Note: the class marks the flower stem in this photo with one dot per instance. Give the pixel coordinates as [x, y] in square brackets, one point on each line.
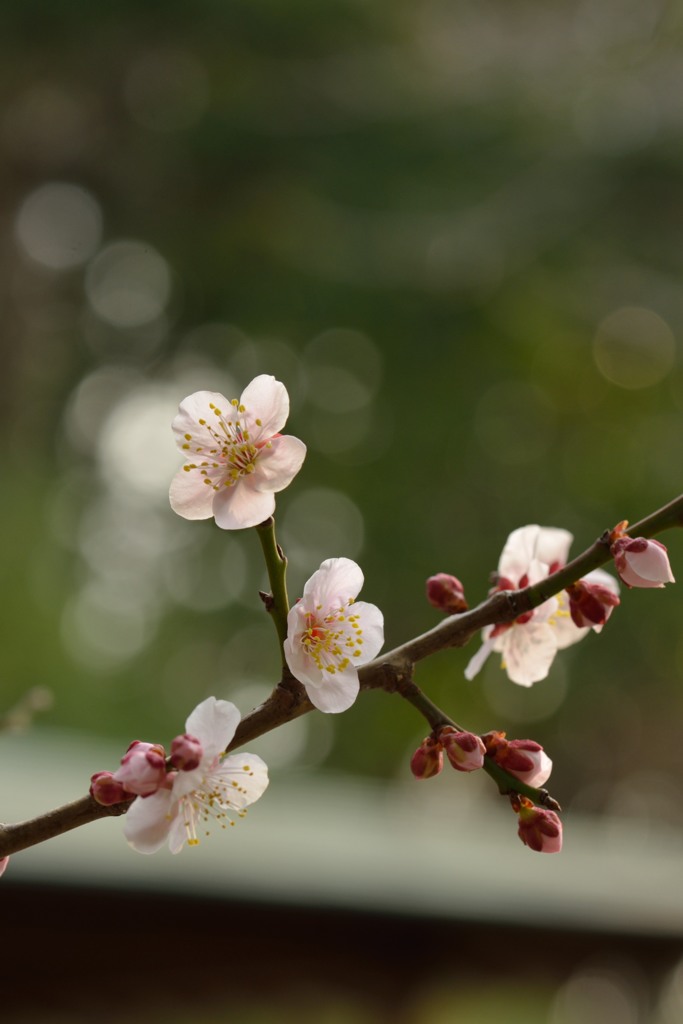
[277, 602]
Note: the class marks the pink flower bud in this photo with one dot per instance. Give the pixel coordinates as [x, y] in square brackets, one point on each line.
[590, 604]
[427, 759]
[446, 593]
[539, 829]
[525, 759]
[186, 752]
[143, 768]
[106, 790]
[641, 562]
[4, 861]
[464, 750]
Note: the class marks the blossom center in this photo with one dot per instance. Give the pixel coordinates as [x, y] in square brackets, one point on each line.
[231, 451]
[214, 801]
[333, 640]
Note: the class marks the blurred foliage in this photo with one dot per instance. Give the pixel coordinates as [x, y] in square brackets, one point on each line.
[453, 230]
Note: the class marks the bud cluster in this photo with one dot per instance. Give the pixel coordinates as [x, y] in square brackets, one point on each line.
[464, 750]
[144, 770]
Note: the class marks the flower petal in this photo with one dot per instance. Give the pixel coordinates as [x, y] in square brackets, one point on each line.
[246, 776]
[190, 497]
[372, 624]
[476, 663]
[148, 821]
[213, 722]
[528, 651]
[334, 584]
[191, 410]
[552, 545]
[278, 464]
[336, 693]
[518, 553]
[265, 399]
[241, 506]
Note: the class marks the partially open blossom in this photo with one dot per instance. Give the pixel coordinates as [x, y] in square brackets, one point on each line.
[525, 759]
[539, 829]
[4, 861]
[218, 788]
[529, 644]
[446, 593]
[642, 562]
[591, 604]
[330, 634]
[107, 790]
[237, 458]
[427, 760]
[143, 768]
[464, 750]
[186, 753]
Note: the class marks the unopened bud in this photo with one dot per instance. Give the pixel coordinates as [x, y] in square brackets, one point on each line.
[143, 768]
[446, 593]
[427, 759]
[107, 790]
[591, 604]
[525, 759]
[186, 753]
[464, 750]
[539, 829]
[641, 562]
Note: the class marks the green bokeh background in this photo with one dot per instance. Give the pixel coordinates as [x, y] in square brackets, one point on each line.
[471, 212]
[453, 229]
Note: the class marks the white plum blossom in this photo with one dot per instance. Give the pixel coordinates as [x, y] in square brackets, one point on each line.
[330, 634]
[237, 459]
[529, 644]
[216, 789]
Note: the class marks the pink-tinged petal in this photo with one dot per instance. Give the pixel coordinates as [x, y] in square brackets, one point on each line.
[337, 581]
[4, 861]
[552, 546]
[518, 553]
[278, 464]
[336, 693]
[241, 506]
[476, 663]
[651, 565]
[148, 821]
[528, 652]
[372, 624]
[300, 663]
[246, 777]
[190, 497]
[213, 722]
[191, 410]
[265, 399]
[178, 833]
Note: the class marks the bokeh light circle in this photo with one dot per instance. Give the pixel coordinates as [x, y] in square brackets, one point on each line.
[59, 225]
[634, 348]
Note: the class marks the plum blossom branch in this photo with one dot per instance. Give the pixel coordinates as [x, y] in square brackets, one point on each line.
[391, 671]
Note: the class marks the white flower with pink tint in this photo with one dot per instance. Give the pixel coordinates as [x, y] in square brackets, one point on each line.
[4, 861]
[642, 562]
[529, 644]
[217, 789]
[237, 458]
[330, 634]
